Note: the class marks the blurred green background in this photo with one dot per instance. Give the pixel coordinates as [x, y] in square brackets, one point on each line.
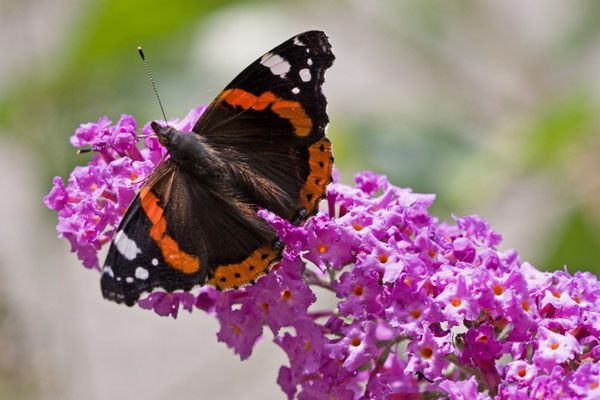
[491, 105]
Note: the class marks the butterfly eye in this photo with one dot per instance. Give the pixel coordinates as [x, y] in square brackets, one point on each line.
[163, 140]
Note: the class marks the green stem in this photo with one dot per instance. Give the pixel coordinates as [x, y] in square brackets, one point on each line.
[311, 278]
[472, 371]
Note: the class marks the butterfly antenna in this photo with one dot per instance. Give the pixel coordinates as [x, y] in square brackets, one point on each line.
[96, 148]
[106, 146]
[152, 81]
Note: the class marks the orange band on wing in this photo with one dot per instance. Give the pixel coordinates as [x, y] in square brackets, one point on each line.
[172, 254]
[263, 101]
[241, 98]
[290, 110]
[150, 205]
[233, 276]
[293, 111]
[320, 162]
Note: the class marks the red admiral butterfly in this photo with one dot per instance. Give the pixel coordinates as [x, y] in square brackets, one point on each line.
[260, 143]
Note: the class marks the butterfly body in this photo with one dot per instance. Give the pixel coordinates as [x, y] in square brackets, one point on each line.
[190, 153]
[261, 143]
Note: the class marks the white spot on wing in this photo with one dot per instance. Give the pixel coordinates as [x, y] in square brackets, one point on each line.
[277, 64]
[309, 61]
[298, 42]
[108, 271]
[142, 273]
[126, 246]
[155, 262]
[296, 90]
[305, 74]
[129, 279]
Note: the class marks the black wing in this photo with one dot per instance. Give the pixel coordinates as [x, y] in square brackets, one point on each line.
[269, 124]
[178, 234]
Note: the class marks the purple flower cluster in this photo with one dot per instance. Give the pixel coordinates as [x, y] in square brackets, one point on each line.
[92, 204]
[424, 309]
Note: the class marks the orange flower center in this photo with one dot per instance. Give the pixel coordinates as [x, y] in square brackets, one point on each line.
[286, 295]
[427, 352]
[357, 226]
[358, 291]
[415, 313]
[322, 248]
[498, 290]
[456, 302]
[383, 258]
[236, 329]
[522, 373]
[355, 342]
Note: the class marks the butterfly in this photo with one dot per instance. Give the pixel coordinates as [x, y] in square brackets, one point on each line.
[260, 144]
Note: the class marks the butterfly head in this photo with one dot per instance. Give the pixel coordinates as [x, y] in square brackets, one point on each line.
[185, 148]
[166, 134]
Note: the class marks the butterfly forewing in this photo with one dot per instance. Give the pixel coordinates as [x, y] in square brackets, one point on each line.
[269, 116]
[136, 262]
